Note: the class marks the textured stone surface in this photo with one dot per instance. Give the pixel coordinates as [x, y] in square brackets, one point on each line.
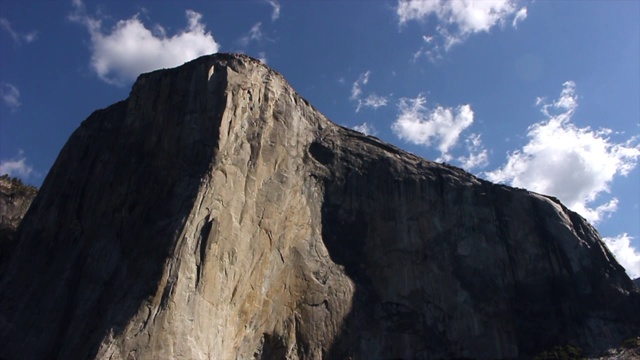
[15, 199]
[215, 214]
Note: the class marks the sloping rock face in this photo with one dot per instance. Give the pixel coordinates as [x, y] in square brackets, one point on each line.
[15, 199]
[215, 214]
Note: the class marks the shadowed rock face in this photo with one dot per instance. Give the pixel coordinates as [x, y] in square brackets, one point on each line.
[15, 199]
[215, 214]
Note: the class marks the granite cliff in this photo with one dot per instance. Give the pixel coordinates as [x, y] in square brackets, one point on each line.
[216, 214]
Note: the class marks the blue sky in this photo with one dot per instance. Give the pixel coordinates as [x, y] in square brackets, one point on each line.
[542, 95]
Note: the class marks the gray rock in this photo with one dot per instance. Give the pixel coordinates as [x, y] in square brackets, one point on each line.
[15, 199]
[215, 214]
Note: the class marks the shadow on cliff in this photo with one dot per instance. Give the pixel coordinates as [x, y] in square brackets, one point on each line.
[370, 227]
[376, 326]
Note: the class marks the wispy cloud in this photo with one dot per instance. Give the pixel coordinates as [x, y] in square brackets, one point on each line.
[254, 34]
[18, 37]
[262, 56]
[356, 88]
[440, 127]
[16, 167]
[375, 101]
[575, 164]
[10, 96]
[130, 48]
[520, 16]
[457, 20]
[275, 12]
[365, 128]
[372, 100]
[477, 157]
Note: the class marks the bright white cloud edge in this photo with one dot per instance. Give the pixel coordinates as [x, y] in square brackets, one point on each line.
[575, 164]
[440, 126]
[130, 48]
[478, 156]
[625, 254]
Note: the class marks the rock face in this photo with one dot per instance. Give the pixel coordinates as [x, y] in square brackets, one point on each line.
[15, 199]
[215, 214]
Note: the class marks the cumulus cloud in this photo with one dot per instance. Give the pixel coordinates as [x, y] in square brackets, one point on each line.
[18, 37]
[130, 48]
[365, 128]
[457, 19]
[626, 255]
[575, 164]
[440, 126]
[10, 95]
[275, 12]
[16, 167]
[477, 157]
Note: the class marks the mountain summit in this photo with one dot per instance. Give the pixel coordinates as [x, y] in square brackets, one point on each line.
[216, 214]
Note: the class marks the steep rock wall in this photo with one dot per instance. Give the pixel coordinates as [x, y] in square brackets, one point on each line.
[215, 214]
[15, 199]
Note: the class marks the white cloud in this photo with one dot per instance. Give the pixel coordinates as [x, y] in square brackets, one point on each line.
[130, 48]
[254, 34]
[10, 95]
[520, 16]
[575, 164]
[478, 156]
[262, 56]
[626, 255]
[17, 36]
[275, 13]
[356, 89]
[365, 128]
[457, 19]
[372, 100]
[440, 126]
[16, 167]
[375, 101]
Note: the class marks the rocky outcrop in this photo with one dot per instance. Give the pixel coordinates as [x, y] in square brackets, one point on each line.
[215, 214]
[15, 199]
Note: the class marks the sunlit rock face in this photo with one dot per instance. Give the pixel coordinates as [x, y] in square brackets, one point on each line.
[216, 214]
